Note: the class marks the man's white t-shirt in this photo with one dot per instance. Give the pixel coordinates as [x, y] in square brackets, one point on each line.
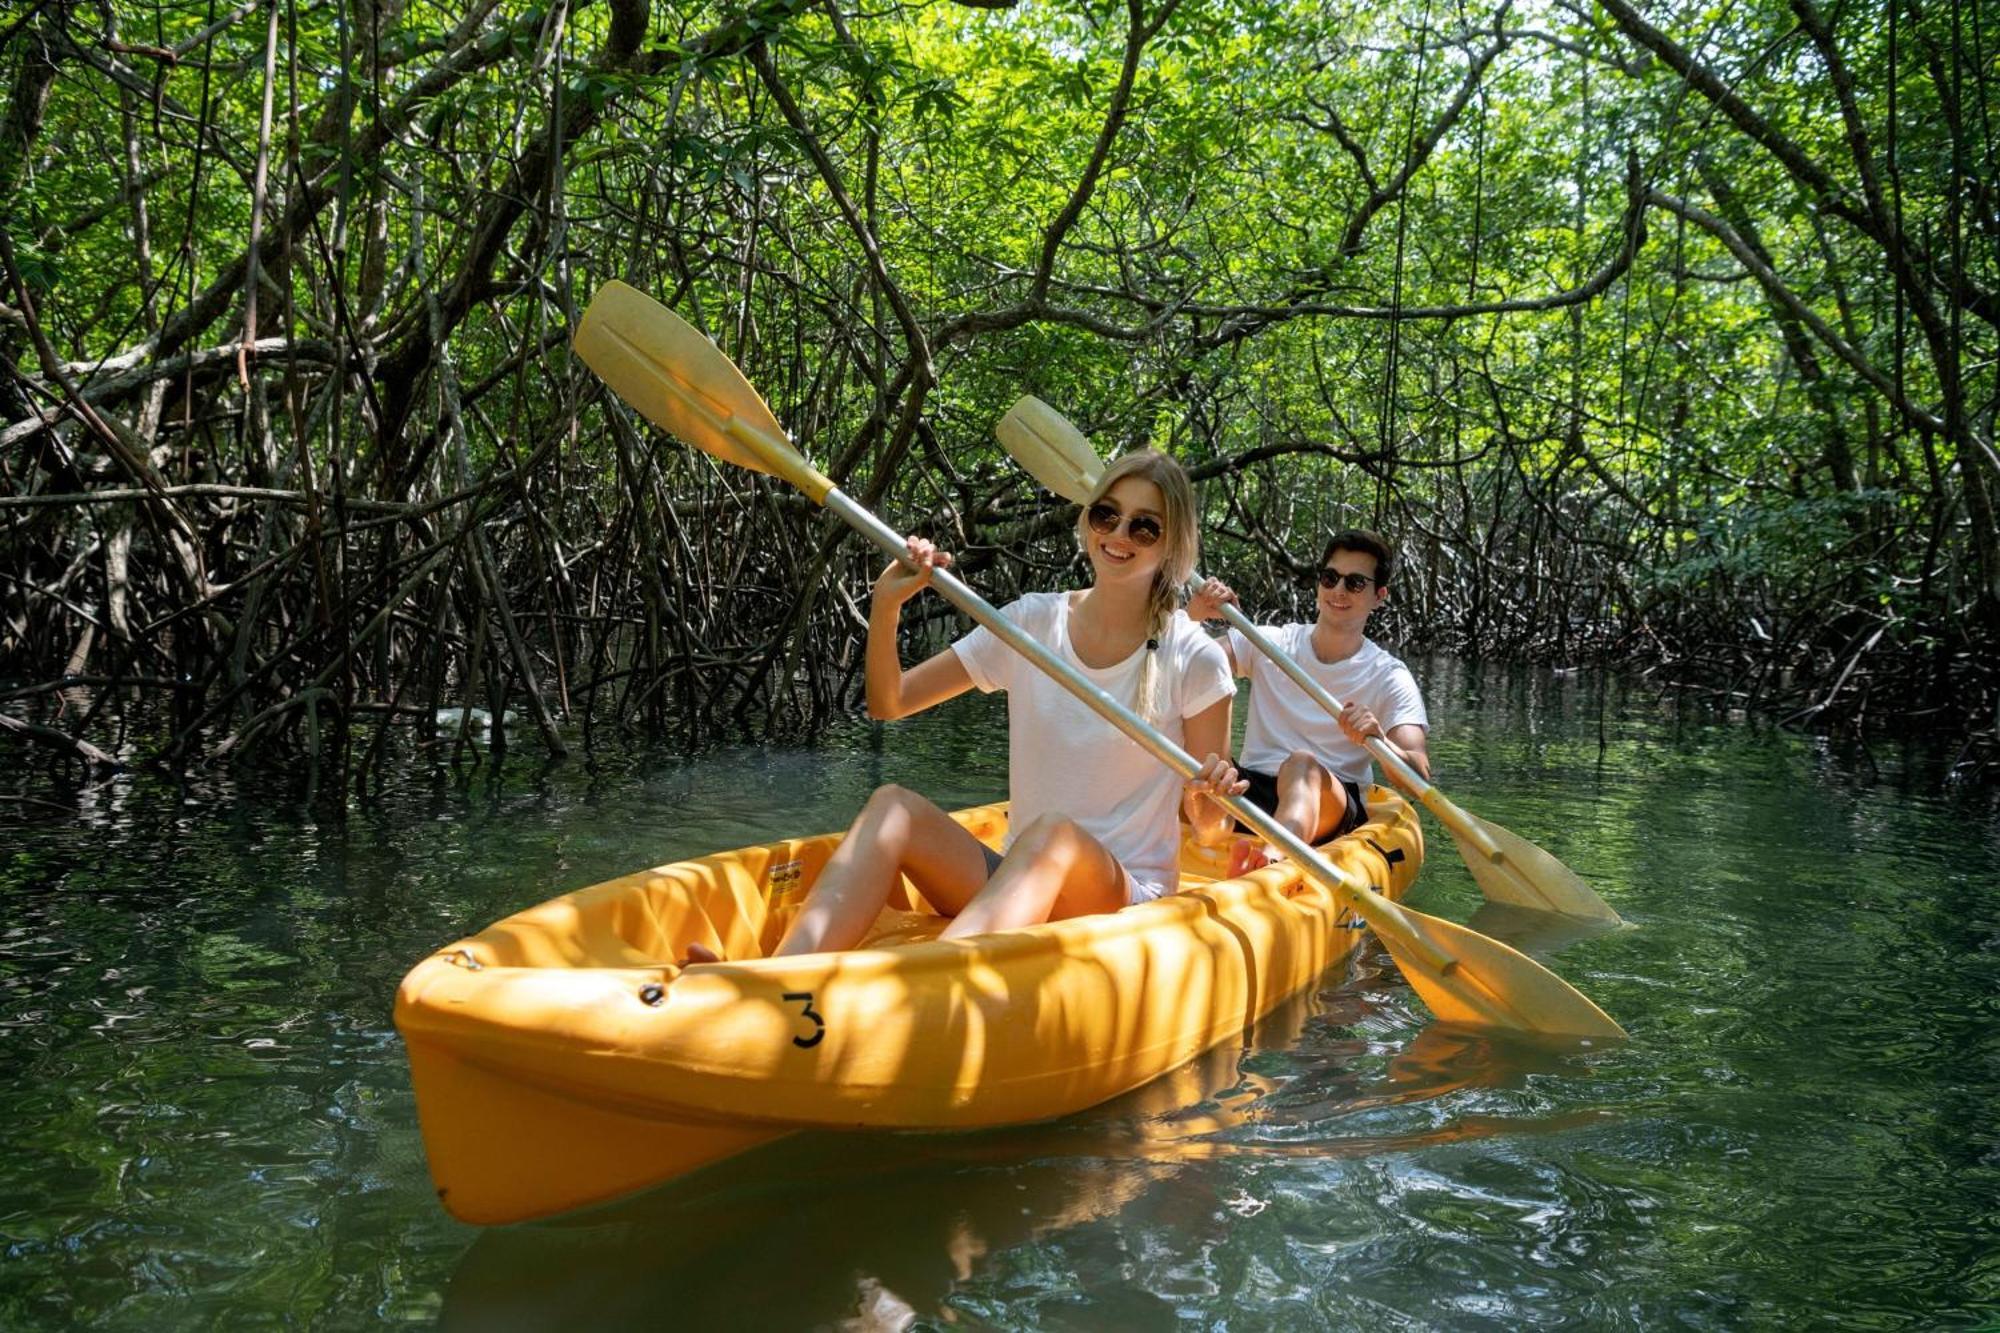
[1283, 719]
[1063, 759]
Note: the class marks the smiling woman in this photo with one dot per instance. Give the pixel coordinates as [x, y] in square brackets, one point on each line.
[1093, 824]
[1153, 490]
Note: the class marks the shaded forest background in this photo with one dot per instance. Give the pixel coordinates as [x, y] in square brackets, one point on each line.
[1658, 335]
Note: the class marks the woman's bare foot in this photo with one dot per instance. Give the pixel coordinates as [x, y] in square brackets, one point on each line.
[700, 953]
[1247, 856]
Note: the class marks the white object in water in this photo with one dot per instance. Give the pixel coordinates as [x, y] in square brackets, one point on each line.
[474, 719]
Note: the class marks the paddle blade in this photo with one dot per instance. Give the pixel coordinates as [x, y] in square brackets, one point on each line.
[673, 376]
[1482, 983]
[1054, 452]
[1524, 875]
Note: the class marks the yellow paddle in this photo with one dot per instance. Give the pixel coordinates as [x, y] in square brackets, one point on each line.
[1509, 869]
[684, 384]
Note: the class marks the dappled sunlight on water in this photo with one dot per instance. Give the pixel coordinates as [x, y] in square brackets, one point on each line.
[207, 1116]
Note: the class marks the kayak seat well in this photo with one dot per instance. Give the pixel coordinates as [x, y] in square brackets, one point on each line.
[737, 903]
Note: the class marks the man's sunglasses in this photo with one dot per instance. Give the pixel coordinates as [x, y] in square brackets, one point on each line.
[1104, 519]
[1331, 578]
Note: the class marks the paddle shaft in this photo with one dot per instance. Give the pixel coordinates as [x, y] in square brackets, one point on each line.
[1399, 769]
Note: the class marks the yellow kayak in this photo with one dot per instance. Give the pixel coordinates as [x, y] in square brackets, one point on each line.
[560, 1058]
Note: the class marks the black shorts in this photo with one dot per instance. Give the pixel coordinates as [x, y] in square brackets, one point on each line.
[1263, 794]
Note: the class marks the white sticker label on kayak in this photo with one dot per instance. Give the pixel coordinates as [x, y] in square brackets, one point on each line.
[787, 876]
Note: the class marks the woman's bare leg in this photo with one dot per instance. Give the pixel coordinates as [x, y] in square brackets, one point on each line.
[897, 833]
[1054, 870]
[1310, 802]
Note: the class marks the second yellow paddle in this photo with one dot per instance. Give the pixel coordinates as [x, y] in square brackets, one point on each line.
[1507, 867]
[684, 384]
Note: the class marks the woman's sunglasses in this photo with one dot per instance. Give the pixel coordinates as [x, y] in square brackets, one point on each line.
[1331, 578]
[1143, 529]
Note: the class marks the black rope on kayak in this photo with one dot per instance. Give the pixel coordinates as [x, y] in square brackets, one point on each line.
[1389, 854]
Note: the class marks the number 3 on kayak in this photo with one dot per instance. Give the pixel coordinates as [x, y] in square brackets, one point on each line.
[804, 999]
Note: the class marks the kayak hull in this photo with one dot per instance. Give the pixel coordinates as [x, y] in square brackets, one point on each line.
[561, 1059]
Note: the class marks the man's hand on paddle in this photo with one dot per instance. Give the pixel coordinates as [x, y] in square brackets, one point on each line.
[1209, 599]
[1360, 724]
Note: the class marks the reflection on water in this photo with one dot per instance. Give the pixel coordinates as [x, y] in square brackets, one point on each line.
[1537, 934]
[876, 1230]
[206, 1121]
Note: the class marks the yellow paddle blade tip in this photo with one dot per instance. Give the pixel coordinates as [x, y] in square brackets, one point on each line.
[671, 374]
[1053, 451]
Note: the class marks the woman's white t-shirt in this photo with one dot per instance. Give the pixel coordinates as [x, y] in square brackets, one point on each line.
[1063, 759]
[1283, 719]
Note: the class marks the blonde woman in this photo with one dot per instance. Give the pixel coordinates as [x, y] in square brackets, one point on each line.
[1093, 823]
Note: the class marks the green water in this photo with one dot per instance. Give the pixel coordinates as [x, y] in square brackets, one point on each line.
[205, 1118]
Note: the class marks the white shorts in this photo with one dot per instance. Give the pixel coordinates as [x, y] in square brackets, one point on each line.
[1137, 890]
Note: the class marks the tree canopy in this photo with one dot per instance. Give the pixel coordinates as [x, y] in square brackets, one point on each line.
[1663, 334]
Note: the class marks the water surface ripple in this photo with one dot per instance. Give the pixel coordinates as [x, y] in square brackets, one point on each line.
[206, 1120]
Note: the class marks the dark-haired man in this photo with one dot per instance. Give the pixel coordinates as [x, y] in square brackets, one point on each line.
[1304, 767]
